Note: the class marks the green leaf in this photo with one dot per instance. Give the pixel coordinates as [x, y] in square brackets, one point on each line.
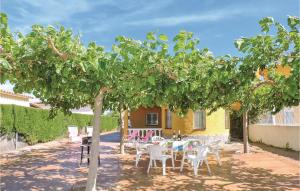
[82, 66]
[293, 21]
[163, 37]
[150, 36]
[239, 43]
[4, 63]
[151, 80]
[265, 23]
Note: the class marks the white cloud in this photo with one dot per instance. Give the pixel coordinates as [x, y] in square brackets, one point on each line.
[46, 12]
[210, 16]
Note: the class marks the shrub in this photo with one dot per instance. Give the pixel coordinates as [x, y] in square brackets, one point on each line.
[36, 126]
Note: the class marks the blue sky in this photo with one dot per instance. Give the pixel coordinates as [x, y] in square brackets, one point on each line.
[216, 22]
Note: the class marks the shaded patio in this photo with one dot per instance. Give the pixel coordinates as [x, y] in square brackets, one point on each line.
[55, 166]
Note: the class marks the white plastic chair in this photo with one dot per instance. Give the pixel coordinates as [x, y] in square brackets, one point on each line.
[157, 152]
[140, 150]
[196, 158]
[214, 148]
[73, 134]
[157, 138]
[148, 135]
[132, 136]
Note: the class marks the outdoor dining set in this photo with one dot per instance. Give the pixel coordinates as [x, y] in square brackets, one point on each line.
[193, 150]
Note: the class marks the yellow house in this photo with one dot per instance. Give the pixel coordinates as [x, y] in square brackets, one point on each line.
[165, 123]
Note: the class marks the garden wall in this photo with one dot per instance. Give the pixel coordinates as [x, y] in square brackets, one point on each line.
[276, 135]
[35, 126]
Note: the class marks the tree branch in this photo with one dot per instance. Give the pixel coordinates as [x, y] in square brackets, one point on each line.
[169, 74]
[266, 82]
[63, 56]
[105, 90]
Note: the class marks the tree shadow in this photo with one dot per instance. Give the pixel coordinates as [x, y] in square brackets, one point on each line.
[58, 169]
[231, 175]
[55, 169]
[279, 151]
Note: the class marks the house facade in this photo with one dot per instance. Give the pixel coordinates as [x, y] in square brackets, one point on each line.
[165, 122]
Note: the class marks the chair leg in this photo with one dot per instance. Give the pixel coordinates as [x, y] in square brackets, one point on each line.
[137, 160]
[173, 164]
[150, 164]
[98, 160]
[182, 161]
[175, 154]
[195, 165]
[218, 158]
[164, 167]
[200, 164]
[154, 162]
[206, 162]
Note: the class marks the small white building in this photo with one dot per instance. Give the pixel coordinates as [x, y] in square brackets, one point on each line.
[8, 97]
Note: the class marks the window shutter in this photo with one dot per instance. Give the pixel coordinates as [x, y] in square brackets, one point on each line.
[199, 120]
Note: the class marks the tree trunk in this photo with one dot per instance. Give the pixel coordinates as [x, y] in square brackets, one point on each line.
[245, 132]
[122, 123]
[93, 166]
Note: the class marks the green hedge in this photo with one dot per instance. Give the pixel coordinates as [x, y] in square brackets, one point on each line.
[35, 125]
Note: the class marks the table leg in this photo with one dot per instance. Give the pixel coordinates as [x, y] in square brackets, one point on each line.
[81, 155]
[88, 152]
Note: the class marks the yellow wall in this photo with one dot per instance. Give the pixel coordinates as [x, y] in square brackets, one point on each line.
[215, 124]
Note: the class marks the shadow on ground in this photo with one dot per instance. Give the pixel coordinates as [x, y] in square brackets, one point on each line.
[57, 168]
[231, 175]
[279, 151]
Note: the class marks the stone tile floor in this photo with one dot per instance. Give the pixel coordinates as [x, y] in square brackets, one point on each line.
[55, 166]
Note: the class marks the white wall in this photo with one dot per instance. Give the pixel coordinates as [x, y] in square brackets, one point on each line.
[5, 100]
[276, 135]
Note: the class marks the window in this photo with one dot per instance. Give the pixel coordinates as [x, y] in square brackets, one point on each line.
[168, 119]
[152, 119]
[288, 116]
[199, 120]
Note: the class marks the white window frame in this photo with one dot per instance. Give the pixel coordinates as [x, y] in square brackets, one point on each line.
[285, 112]
[203, 127]
[152, 122]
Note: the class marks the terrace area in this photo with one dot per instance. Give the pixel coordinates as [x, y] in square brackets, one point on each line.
[55, 166]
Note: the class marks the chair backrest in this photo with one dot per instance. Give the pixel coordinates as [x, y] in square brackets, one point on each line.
[216, 144]
[156, 151]
[202, 152]
[147, 136]
[133, 134]
[72, 131]
[89, 131]
[157, 138]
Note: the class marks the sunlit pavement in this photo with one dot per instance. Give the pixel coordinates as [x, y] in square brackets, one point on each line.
[55, 166]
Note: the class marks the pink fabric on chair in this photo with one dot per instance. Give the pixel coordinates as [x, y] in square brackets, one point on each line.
[133, 135]
[147, 136]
